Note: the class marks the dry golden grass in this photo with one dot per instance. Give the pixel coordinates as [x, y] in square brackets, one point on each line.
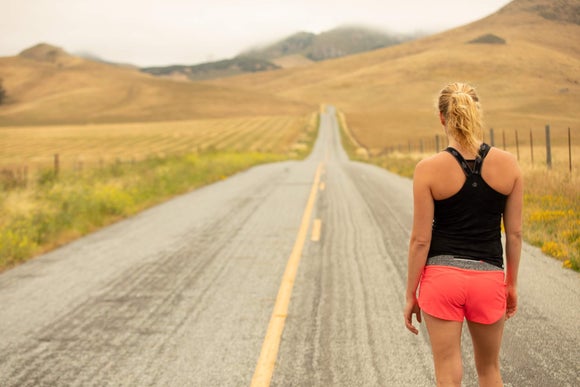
[91, 145]
[552, 213]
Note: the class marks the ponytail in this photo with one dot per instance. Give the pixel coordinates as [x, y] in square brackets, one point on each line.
[459, 104]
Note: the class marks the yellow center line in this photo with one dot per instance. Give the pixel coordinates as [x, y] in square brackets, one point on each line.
[316, 227]
[269, 353]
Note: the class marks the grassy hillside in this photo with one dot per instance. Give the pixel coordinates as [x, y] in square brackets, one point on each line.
[388, 95]
[45, 85]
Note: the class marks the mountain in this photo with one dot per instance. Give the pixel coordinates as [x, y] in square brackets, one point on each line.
[297, 44]
[335, 43]
[297, 50]
[388, 94]
[46, 85]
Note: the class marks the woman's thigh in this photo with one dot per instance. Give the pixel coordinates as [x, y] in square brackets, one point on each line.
[445, 337]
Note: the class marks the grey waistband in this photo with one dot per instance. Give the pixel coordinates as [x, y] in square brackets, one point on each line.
[461, 263]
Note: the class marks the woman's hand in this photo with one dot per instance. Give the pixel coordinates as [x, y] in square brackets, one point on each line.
[511, 301]
[412, 308]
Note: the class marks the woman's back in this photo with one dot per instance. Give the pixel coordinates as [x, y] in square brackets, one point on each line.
[446, 177]
[467, 210]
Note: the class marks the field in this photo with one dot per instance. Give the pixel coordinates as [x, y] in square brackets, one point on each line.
[92, 145]
[107, 172]
[551, 205]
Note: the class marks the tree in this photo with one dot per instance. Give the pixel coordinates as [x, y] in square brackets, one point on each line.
[2, 92]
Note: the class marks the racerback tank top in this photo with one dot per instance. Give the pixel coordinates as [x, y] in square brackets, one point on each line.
[467, 225]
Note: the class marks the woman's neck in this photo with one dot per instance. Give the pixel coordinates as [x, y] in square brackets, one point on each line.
[465, 152]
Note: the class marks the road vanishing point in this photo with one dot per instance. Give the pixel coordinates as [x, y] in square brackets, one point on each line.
[287, 274]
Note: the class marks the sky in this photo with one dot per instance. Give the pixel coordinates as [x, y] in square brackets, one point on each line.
[164, 32]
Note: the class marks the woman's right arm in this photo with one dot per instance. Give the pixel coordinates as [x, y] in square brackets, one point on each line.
[423, 209]
[512, 219]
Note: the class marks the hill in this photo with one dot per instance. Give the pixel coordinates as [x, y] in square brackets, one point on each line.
[211, 70]
[46, 85]
[95, 58]
[336, 43]
[299, 50]
[389, 94]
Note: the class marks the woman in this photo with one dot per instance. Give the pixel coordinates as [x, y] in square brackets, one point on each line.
[455, 251]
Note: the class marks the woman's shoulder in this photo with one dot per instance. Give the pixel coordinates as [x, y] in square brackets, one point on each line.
[429, 164]
[434, 160]
[501, 170]
[502, 157]
[497, 152]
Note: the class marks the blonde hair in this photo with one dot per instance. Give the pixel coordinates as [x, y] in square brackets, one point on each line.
[459, 105]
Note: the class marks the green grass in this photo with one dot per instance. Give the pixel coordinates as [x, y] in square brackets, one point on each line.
[59, 209]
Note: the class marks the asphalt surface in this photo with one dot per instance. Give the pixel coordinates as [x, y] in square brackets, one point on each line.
[182, 294]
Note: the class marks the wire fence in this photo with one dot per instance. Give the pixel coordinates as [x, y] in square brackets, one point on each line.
[22, 174]
[537, 147]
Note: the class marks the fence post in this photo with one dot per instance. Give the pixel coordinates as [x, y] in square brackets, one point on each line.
[503, 138]
[517, 145]
[491, 138]
[421, 146]
[56, 164]
[437, 143]
[569, 150]
[548, 148]
[532, 146]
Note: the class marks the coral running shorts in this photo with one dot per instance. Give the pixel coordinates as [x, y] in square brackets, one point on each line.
[451, 293]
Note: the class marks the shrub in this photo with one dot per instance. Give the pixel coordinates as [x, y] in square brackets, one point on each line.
[487, 39]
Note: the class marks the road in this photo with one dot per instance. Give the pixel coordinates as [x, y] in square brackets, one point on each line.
[183, 294]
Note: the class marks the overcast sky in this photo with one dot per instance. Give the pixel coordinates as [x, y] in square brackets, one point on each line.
[162, 32]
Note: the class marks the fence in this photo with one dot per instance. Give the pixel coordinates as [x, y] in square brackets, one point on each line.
[50, 167]
[536, 147]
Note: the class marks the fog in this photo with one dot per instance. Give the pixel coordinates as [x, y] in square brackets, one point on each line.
[162, 32]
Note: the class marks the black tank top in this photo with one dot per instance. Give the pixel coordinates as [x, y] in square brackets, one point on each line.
[467, 225]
